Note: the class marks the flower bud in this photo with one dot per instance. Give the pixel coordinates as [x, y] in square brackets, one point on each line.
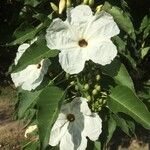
[86, 87]
[98, 77]
[98, 88]
[104, 101]
[62, 5]
[54, 7]
[88, 98]
[72, 83]
[68, 3]
[91, 2]
[100, 101]
[76, 88]
[67, 75]
[85, 1]
[94, 92]
[99, 109]
[99, 8]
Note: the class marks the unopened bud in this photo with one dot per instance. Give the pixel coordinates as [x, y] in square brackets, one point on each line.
[98, 77]
[68, 3]
[54, 7]
[94, 92]
[88, 98]
[62, 5]
[86, 87]
[98, 88]
[72, 83]
[85, 1]
[91, 2]
[76, 88]
[67, 75]
[99, 109]
[100, 101]
[104, 101]
[99, 8]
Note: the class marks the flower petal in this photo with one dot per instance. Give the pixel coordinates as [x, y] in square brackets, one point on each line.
[80, 105]
[31, 76]
[73, 139]
[72, 61]
[92, 126]
[101, 26]
[58, 130]
[79, 15]
[59, 35]
[103, 52]
[21, 49]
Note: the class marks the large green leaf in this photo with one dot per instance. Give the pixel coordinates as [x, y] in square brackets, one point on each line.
[33, 3]
[122, 19]
[111, 128]
[118, 71]
[27, 32]
[34, 54]
[47, 112]
[97, 145]
[26, 99]
[121, 123]
[122, 99]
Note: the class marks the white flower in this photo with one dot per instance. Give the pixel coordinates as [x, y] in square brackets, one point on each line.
[32, 76]
[82, 37]
[29, 130]
[74, 123]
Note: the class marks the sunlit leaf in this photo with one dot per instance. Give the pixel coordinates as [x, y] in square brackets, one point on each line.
[122, 99]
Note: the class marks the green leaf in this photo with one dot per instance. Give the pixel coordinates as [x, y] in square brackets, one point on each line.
[122, 19]
[144, 51]
[122, 48]
[26, 99]
[121, 123]
[122, 99]
[34, 54]
[47, 112]
[33, 3]
[97, 145]
[31, 146]
[146, 32]
[111, 128]
[118, 71]
[25, 32]
[145, 23]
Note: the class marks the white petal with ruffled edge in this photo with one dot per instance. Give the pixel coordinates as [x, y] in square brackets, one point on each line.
[58, 130]
[103, 52]
[101, 26]
[93, 126]
[32, 76]
[59, 36]
[72, 61]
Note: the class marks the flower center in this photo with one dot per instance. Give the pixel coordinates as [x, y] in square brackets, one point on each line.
[83, 43]
[38, 66]
[70, 117]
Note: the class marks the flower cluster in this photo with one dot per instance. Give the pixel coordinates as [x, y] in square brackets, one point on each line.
[83, 36]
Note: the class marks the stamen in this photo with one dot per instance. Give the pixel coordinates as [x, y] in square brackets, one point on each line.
[70, 117]
[38, 66]
[83, 43]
